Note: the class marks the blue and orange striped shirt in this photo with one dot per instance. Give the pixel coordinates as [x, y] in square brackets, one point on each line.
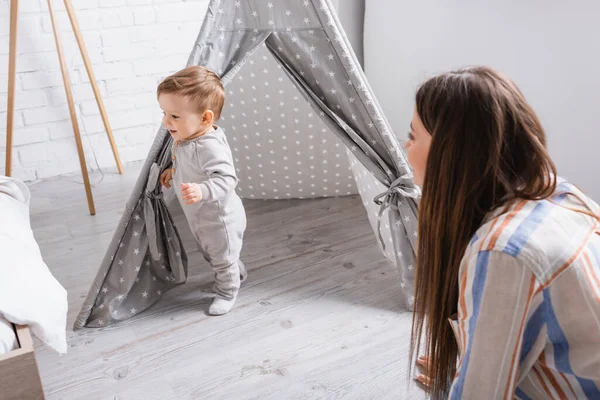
[528, 322]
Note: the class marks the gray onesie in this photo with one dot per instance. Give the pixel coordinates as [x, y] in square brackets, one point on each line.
[218, 220]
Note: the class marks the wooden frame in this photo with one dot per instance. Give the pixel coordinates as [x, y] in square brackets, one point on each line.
[19, 374]
[12, 72]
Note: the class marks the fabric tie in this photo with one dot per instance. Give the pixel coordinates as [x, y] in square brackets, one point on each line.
[150, 197]
[402, 186]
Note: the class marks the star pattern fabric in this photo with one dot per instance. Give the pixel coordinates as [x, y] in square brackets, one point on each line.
[301, 120]
[281, 147]
[398, 234]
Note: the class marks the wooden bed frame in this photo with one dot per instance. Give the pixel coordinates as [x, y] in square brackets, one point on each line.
[19, 374]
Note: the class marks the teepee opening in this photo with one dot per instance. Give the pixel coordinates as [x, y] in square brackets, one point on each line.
[282, 148]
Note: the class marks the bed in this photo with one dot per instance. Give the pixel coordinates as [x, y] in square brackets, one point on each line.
[19, 375]
[32, 301]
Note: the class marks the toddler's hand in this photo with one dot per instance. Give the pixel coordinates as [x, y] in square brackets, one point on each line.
[165, 177]
[190, 192]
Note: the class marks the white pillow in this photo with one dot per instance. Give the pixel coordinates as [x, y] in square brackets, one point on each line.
[29, 294]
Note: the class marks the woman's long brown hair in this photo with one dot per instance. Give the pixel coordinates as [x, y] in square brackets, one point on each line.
[488, 149]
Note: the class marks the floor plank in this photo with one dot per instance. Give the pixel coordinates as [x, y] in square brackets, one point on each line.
[317, 318]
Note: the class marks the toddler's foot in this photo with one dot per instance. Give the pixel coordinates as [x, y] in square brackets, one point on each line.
[221, 306]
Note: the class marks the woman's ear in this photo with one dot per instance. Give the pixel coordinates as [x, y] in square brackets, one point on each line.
[208, 117]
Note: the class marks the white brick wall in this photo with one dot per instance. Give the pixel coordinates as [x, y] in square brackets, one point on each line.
[133, 44]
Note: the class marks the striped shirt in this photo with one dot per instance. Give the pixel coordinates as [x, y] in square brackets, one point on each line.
[528, 322]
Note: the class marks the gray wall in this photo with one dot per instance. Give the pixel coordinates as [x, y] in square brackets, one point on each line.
[551, 48]
[351, 14]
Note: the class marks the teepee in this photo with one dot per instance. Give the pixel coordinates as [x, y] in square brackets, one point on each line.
[302, 122]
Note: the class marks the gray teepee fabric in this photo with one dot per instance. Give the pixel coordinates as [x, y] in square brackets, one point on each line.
[282, 149]
[304, 48]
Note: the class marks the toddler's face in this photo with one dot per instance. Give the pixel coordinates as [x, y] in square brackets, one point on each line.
[180, 116]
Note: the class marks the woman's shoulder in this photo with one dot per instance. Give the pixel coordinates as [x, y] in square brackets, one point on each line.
[541, 234]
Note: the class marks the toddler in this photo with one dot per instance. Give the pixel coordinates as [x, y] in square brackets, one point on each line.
[203, 176]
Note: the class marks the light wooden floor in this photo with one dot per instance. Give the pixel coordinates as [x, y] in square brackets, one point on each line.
[317, 318]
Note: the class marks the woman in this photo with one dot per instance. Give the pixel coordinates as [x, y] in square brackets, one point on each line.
[507, 253]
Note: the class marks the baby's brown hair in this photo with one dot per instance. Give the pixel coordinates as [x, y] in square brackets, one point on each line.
[198, 84]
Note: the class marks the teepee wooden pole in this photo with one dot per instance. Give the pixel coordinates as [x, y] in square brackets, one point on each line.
[12, 75]
[90, 72]
[72, 113]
